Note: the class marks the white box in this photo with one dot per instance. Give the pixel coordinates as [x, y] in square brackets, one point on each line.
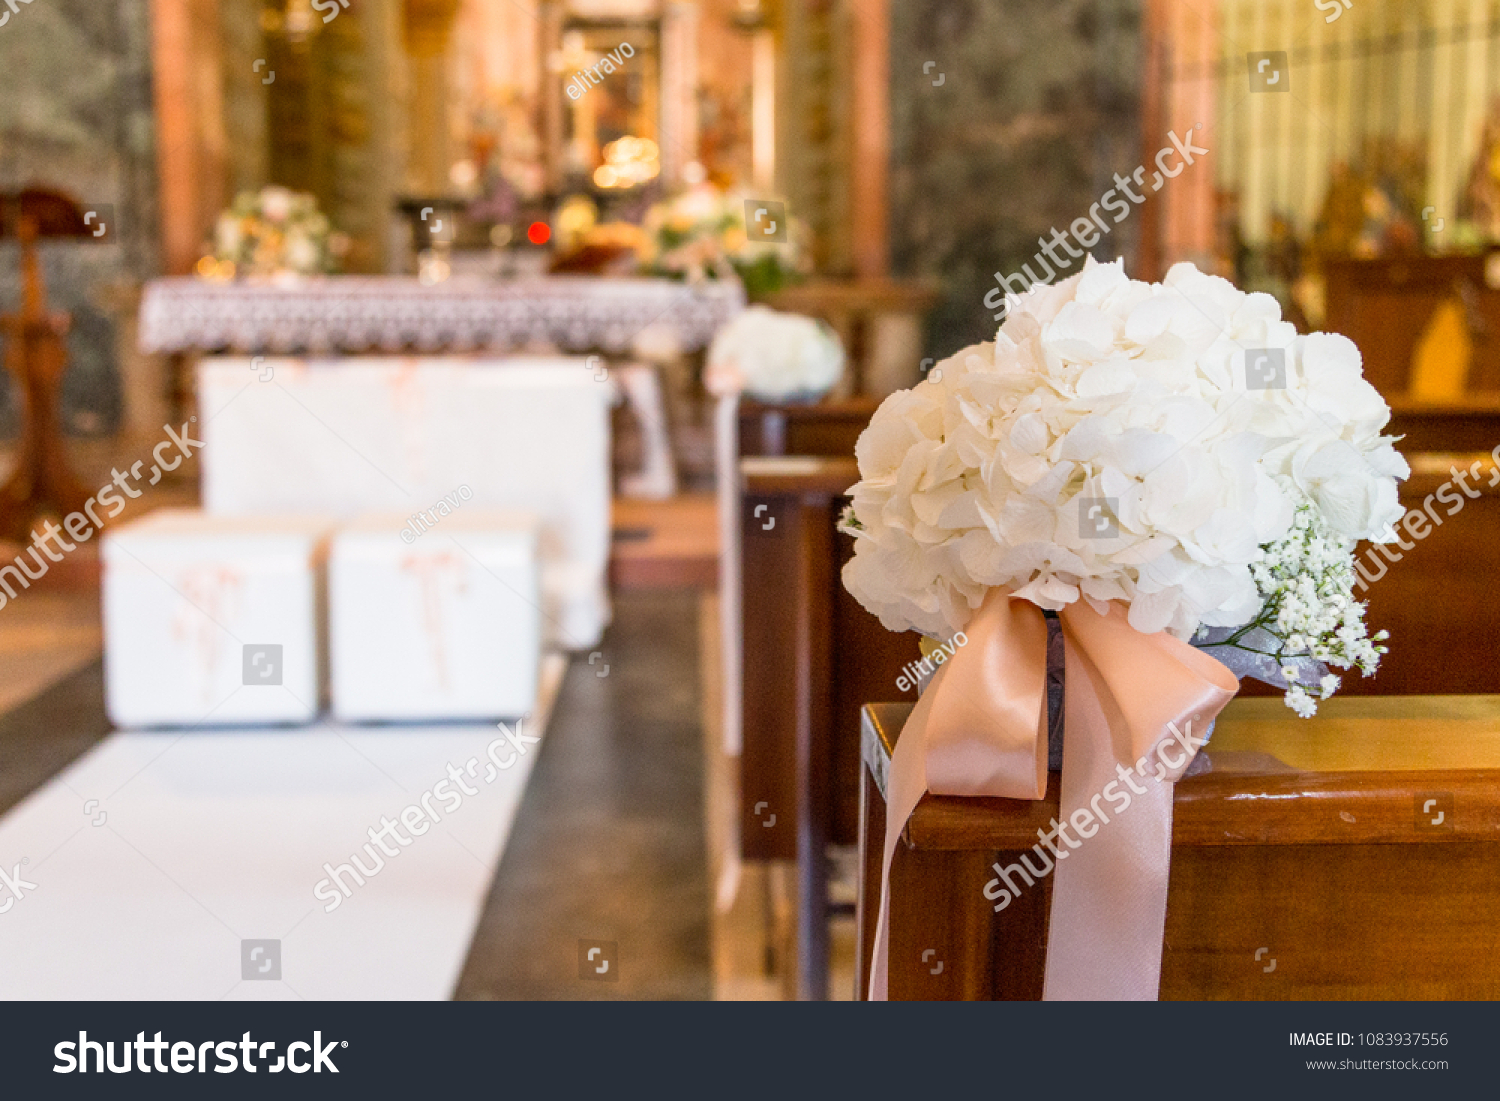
[441, 622]
[213, 620]
[347, 437]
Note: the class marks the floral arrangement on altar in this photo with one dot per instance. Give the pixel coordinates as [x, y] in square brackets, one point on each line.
[1175, 448]
[774, 357]
[273, 232]
[700, 234]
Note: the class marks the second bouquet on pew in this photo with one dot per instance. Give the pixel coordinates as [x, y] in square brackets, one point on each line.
[226, 620]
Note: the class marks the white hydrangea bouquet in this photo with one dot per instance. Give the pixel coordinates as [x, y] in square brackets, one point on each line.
[774, 357]
[1175, 447]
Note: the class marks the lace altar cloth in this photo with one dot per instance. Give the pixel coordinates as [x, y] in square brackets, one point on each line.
[390, 313]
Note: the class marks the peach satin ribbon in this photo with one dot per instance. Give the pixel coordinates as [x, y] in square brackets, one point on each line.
[980, 729]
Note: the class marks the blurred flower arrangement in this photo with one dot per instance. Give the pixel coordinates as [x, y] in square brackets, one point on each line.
[700, 234]
[274, 232]
[774, 357]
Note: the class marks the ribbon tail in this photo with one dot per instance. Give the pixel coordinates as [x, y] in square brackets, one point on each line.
[1109, 894]
[1131, 701]
[979, 728]
[905, 785]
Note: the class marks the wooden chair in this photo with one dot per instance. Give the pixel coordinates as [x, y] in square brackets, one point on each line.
[1349, 856]
[812, 655]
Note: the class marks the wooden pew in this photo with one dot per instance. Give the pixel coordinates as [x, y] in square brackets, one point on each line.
[829, 427]
[1470, 425]
[812, 656]
[1437, 601]
[1384, 306]
[1307, 864]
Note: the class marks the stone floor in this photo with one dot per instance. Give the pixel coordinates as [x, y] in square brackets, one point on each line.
[607, 845]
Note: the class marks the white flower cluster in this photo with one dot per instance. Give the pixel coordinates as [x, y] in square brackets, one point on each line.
[1307, 583]
[774, 356]
[1108, 446]
[276, 231]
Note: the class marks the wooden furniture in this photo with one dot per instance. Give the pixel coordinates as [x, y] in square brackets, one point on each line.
[1470, 425]
[1384, 306]
[812, 655]
[829, 427]
[1349, 856]
[42, 483]
[1436, 601]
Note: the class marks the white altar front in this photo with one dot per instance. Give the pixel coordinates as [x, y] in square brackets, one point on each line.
[483, 398]
[346, 437]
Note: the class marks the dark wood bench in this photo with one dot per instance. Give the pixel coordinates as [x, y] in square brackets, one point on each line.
[1470, 425]
[1436, 601]
[822, 428]
[812, 656]
[1307, 864]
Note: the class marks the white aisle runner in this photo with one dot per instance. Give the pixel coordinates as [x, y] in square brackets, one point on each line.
[206, 839]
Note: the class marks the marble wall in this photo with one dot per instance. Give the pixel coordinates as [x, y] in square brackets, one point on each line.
[76, 115]
[1025, 111]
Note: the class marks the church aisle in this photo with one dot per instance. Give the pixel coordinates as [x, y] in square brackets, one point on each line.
[607, 845]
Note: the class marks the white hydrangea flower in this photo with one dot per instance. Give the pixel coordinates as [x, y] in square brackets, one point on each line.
[773, 356]
[1105, 446]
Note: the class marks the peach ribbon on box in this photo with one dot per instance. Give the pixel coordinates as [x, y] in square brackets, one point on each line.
[980, 730]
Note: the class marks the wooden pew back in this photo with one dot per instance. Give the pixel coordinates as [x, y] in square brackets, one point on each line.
[812, 655]
[1301, 863]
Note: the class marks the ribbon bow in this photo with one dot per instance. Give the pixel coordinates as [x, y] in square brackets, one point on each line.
[1130, 702]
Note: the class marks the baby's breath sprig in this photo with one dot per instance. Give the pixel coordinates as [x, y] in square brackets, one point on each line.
[1306, 581]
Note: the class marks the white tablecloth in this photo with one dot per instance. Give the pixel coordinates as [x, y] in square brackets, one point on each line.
[360, 313]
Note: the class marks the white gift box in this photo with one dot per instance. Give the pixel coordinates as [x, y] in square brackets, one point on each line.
[438, 619]
[346, 437]
[212, 620]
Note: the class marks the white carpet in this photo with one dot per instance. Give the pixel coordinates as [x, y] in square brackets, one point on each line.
[210, 838]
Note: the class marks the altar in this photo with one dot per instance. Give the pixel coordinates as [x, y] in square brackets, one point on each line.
[356, 314]
[322, 416]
